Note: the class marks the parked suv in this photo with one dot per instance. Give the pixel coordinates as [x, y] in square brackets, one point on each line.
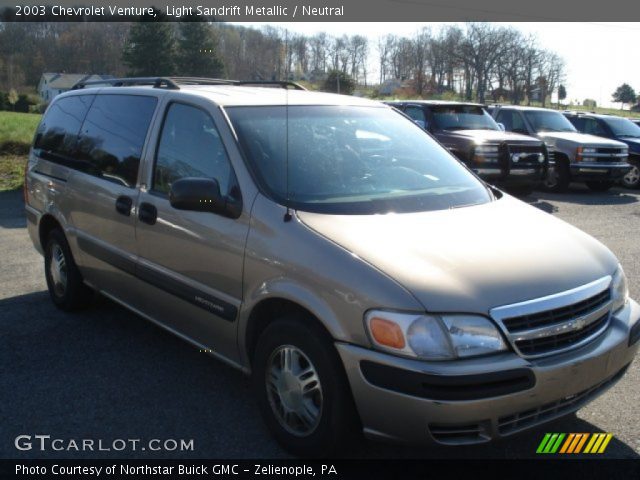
[578, 157]
[617, 128]
[513, 161]
[331, 248]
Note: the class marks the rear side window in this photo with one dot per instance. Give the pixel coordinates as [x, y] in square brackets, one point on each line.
[190, 146]
[113, 135]
[57, 134]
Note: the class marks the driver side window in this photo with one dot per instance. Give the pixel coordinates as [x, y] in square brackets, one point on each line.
[190, 146]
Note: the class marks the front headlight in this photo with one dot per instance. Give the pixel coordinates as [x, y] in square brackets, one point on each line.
[433, 337]
[619, 290]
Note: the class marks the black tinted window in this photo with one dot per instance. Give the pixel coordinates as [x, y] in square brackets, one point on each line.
[113, 135]
[190, 146]
[58, 131]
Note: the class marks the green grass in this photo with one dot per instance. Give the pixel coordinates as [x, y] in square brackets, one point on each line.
[16, 131]
[11, 171]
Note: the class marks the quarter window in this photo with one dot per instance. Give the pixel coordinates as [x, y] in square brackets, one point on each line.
[113, 135]
[190, 146]
[58, 132]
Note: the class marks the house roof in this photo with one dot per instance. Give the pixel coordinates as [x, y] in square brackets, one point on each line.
[64, 81]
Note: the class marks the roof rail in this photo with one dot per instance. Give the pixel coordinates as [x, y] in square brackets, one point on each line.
[173, 83]
[283, 84]
[157, 82]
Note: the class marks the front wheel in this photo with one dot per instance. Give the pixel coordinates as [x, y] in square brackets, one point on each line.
[558, 178]
[632, 178]
[599, 185]
[302, 390]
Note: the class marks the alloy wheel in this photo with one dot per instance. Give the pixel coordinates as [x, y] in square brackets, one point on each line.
[294, 390]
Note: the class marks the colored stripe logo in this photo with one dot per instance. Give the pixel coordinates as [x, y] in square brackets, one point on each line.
[574, 443]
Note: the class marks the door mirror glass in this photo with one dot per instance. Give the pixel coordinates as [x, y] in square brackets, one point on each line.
[197, 194]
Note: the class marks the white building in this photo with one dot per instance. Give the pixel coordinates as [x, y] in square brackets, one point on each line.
[52, 84]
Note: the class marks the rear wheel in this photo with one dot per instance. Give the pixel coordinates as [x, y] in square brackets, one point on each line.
[66, 288]
[302, 390]
[599, 185]
[558, 178]
[632, 178]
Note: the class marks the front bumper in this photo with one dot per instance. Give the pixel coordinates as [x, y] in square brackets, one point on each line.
[521, 175]
[598, 171]
[475, 413]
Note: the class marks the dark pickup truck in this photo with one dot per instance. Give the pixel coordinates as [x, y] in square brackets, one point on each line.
[513, 161]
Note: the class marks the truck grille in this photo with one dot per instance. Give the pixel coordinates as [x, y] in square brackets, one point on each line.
[559, 322]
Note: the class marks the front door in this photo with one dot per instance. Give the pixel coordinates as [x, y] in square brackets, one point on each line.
[191, 262]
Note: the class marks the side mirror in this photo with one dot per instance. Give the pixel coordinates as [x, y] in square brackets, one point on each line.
[198, 194]
[421, 123]
[501, 127]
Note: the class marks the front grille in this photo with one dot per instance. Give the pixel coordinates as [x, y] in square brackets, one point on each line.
[525, 148]
[609, 150]
[544, 345]
[526, 419]
[559, 322]
[558, 315]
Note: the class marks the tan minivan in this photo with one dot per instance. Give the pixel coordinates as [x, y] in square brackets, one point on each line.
[365, 278]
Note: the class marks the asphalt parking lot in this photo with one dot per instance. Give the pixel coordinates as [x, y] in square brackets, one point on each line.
[107, 374]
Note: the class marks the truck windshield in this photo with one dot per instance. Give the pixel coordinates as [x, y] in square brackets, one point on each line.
[351, 160]
[462, 117]
[547, 121]
[621, 127]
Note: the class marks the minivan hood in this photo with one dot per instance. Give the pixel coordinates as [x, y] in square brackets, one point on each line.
[581, 139]
[492, 136]
[474, 258]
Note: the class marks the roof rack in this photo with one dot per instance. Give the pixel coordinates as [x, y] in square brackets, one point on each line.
[283, 84]
[173, 83]
[157, 82]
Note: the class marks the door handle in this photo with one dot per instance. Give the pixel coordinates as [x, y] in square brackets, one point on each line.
[123, 205]
[147, 213]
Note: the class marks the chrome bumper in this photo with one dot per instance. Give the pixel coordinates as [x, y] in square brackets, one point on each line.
[562, 383]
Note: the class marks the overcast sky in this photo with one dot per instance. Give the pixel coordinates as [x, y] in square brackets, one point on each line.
[598, 56]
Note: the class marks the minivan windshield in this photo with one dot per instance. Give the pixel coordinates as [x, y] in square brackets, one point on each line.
[547, 121]
[622, 127]
[462, 117]
[351, 160]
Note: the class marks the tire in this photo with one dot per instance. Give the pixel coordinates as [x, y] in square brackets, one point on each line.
[632, 178]
[558, 178]
[599, 185]
[520, 191]
[66, 288]
[313, 383]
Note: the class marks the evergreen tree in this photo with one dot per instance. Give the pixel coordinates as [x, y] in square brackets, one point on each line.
[198, 50]
[151, 49]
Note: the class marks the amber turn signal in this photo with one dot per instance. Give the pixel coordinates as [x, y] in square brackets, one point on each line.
[387, 333]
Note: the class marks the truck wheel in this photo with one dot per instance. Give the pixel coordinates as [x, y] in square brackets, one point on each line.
[520, 191]
[66, 288]
[599, 185]
[302, 389]
[558, 178]
[632, 178]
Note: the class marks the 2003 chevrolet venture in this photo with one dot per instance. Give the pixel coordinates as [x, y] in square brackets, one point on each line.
[365, 278]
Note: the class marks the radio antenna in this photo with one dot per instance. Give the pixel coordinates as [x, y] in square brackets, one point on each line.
[287, 215]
